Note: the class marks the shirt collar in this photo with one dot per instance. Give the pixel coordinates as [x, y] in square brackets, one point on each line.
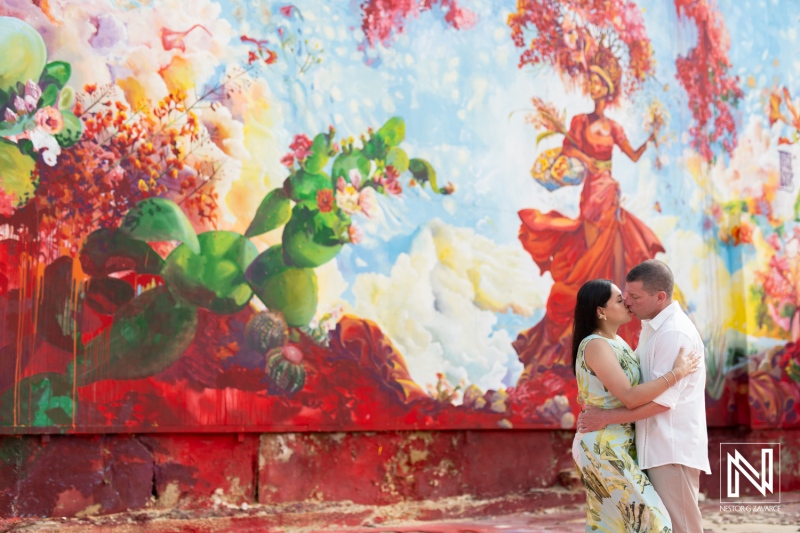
[657, 321]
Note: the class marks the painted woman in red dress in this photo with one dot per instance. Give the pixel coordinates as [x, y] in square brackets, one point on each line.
[605, 241]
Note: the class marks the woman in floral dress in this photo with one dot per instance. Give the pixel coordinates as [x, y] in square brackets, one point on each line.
[619, 495]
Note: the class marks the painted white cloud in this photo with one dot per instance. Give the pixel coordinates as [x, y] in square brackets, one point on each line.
[438, 304]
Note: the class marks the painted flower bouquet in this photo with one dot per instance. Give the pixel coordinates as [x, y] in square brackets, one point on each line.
[36, 119]
[553, 170]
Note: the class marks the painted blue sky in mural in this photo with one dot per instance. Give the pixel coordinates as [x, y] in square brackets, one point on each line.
[464, 99]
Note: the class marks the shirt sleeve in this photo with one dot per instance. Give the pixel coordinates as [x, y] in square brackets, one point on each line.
[666, 348]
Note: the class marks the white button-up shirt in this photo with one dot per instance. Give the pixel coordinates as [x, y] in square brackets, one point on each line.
[679, 435]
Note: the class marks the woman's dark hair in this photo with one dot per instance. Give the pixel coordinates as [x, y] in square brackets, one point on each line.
[593, 294]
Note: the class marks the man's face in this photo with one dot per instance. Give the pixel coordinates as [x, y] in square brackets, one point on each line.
[641, 303]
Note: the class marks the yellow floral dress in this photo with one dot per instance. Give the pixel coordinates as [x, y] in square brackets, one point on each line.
[619, 496]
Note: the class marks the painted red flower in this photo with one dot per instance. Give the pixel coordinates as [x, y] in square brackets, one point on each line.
[174, 39]
[705, 74]
[288, 160]
[325, 200]
[383, 19]
[301, 146]
[287, 10]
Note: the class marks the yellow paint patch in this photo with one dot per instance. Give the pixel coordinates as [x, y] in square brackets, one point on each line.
[134, 92]
[179, 75]
[263, 171]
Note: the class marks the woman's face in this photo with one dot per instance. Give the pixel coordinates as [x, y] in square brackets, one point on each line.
[597, 87]
[615, 310]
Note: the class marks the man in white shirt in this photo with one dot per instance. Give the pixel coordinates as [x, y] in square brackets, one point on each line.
[671, 434]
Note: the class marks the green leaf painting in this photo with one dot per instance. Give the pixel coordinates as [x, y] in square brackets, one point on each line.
[158, 219]
[57, 73]
[49, 96]
[274, 212]
[73, 129]
[214, 277]
[44, 400]
[393, 132]
[423, 172]
[305, 185]
[149, 334]
[107, 251]
[289, 290]
[24, 53]
[311, 238]
[17, 171]
[397, 158]
[320, 151]
[345, 162]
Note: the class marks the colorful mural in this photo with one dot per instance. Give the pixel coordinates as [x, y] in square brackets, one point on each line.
[246, 216]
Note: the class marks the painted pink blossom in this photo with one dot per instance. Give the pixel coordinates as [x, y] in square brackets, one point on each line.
[356, 234]
[774, 241]
[355, 178]
[49, 120]
[368, 202]
[287, 10]
[383, 19]
[7, 202]
[19, 105]
[292, 353]
[391, 182]
[32, 94]
[114, 176]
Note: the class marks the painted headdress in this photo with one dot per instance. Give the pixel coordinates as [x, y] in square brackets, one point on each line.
[605, 64]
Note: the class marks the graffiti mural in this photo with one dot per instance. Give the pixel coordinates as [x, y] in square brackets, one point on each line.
[376, 215]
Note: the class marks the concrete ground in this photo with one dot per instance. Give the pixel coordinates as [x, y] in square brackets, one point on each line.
[572, 519]
[565, 519]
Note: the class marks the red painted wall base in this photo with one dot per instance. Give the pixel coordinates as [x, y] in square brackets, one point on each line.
[86, 475]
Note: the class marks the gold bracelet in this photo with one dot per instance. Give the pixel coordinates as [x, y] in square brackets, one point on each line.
[674, 376]
[665, 379]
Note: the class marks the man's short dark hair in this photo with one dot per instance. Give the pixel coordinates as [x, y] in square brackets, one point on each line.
[655, 276]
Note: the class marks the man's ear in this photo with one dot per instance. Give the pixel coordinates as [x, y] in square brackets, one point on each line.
[661, 296]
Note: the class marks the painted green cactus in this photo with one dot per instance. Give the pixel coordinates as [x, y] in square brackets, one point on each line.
[265, 331]
[222, 270]
[286, 374]
[320, 222]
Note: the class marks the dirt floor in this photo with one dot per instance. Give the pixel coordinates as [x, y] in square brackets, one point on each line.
[569, 519]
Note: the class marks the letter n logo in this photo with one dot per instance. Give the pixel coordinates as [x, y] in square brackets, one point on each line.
[737, 470]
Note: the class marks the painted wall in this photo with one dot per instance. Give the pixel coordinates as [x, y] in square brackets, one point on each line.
[361, 215]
